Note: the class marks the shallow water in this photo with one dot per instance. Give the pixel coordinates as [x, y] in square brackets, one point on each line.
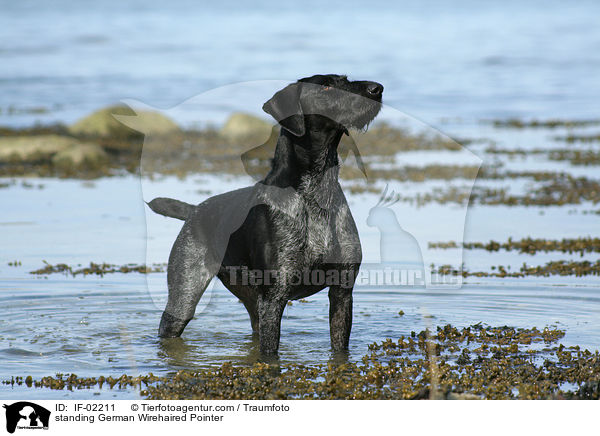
[437, 60]
[450, 66]
[91, 325]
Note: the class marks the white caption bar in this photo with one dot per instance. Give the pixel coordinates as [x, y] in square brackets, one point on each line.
[87, 418]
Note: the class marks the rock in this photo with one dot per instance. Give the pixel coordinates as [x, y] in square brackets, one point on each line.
[103, 123]
[81, 155]
[241, 125]
[25, 149]
[63, 151]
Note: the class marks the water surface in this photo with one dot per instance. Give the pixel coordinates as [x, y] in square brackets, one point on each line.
[91, 325]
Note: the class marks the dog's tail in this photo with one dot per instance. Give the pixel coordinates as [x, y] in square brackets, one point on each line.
[171, 208]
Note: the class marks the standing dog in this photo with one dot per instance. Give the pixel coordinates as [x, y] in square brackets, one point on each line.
[290, 235]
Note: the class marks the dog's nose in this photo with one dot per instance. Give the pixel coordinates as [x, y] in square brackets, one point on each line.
[375, 89]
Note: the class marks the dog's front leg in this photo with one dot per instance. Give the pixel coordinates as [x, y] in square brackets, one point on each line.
[270, 310]
[340, 316]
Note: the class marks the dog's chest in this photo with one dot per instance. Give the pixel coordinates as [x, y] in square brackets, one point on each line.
[307, 237]
[306, 231]
[312, 237]
[319, 239]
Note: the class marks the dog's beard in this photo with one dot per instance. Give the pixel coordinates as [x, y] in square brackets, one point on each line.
[367, 113]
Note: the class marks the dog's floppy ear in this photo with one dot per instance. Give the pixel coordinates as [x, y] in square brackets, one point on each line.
[285, 107]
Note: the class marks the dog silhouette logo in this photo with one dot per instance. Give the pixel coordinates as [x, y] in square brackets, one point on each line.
[26, 415]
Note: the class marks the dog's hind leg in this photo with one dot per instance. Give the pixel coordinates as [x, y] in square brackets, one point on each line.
[189, 273]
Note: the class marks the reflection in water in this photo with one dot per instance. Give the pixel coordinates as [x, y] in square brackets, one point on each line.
[176, 352]
[338, 358]
[186, 353]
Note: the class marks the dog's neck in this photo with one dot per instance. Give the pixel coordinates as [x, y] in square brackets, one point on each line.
[307, 163]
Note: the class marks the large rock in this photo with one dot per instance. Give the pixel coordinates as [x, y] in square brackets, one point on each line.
[240, 126]
[81, 155]
[24, 149]
[103, 123]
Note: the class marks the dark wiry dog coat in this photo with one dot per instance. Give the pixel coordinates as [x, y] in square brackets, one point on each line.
[294, 222]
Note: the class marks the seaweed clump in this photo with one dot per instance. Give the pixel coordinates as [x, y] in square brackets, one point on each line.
[98, 269]
[516, 123]
[475, 362]
[552, 268]
[529, 245]
[556, 189]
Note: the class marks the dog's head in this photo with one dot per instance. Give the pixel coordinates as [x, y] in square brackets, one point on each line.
[329, 99]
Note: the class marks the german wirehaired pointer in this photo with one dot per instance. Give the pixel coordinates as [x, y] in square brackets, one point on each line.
[288, 236]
